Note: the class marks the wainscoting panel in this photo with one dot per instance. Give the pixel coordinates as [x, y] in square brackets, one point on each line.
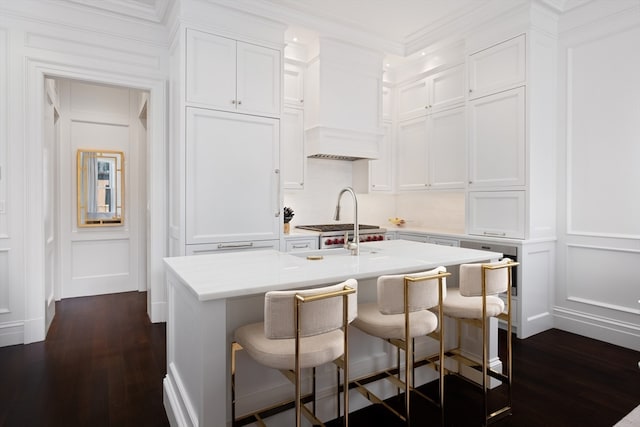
[603, 277]
[5, 305]
[4, 70]
[99, 267]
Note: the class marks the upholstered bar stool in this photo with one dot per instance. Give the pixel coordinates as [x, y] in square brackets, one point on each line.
[401, 314]
[301, 329]
[475, 301]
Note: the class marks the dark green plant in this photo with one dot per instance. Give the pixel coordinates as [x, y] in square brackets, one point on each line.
[288, 214]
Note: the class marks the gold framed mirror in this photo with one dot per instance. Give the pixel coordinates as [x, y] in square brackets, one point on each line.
[100, 188]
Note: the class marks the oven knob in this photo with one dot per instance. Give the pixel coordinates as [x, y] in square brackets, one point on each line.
[336, 241]
[368, 238]
[327, 242]
[341, 241]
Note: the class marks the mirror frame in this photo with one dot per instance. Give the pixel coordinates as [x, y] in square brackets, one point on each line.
[100, 219]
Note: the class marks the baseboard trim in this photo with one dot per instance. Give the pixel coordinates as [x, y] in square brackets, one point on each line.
[600, 328]
[158, 312]
[11, 333]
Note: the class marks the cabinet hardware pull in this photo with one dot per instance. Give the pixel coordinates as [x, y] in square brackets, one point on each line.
[489, 233]
[300, 246]
[233, 101]
[470, 90]
[235, 245]
[302, 100]
[239, 102]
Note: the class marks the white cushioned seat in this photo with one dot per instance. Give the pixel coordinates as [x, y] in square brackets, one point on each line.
[463, 307]
[302, 329]
[373, 322]
[280, 353]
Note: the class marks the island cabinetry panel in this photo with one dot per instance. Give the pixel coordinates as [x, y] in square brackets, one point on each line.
[232, 177]
[232, 75]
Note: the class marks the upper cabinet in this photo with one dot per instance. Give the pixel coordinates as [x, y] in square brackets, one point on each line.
[499, 67]
[293, 84]
[431, 94]
[432, 151]
[231, 75]
[292, 148]
[497, 139]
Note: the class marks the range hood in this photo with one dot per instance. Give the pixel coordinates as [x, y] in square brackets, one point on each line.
[343, 102]
[342, 144]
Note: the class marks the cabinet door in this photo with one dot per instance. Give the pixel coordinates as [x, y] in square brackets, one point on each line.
[232, 177]
[414, 237]
[447, 149]
[386, 103]
[293, 85]
[412, 154]
[293, 245]
[446, 89]
[381, 170]
[497, 68]
[258, 79]
[211, 71]
[412, 99]
[496, 213]
[293, 158]
[497, 139]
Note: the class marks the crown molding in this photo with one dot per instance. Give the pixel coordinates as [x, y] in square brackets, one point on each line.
[156, 13]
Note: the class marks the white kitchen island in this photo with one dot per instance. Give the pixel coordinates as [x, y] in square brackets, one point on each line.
[211, 295]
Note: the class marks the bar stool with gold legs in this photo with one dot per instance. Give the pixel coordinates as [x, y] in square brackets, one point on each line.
[475, 302]
[401, 314]
[301, 329]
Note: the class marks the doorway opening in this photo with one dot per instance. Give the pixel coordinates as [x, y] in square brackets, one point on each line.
[80, 260]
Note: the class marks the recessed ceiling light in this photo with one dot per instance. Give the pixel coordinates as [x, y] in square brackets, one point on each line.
[423, 53]
[295, 39]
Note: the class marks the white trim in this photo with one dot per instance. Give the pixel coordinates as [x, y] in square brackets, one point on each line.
[36, 71]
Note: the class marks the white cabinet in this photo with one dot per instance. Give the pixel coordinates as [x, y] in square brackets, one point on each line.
[497, 139]
[301, 244]
[232, 177]
[387, 112]
[414, 237]
[376, 175]
[432, 151]
[293, 84]
[223, 73]
[430, 94]
[216, 248]
[293, 158]
[496, 213]
[498, 67]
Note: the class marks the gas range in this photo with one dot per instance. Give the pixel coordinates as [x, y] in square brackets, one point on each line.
[332, 235]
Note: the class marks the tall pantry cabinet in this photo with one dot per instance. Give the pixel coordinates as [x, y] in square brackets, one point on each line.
[225, 146]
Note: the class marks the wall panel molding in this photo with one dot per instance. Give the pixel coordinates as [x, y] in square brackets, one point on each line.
[4, 72]
[5, 283]
[603, 277]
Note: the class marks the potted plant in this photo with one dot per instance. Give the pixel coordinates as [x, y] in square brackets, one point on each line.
[288, 214]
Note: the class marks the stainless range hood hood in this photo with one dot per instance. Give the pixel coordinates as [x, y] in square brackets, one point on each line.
[343, 102]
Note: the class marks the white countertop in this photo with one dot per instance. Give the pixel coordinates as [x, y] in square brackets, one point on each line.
[227, 275]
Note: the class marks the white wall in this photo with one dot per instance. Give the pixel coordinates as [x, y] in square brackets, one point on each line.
[598, 285]
[39, 39]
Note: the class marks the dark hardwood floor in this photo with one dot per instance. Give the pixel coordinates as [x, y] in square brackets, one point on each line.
[103, 362]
